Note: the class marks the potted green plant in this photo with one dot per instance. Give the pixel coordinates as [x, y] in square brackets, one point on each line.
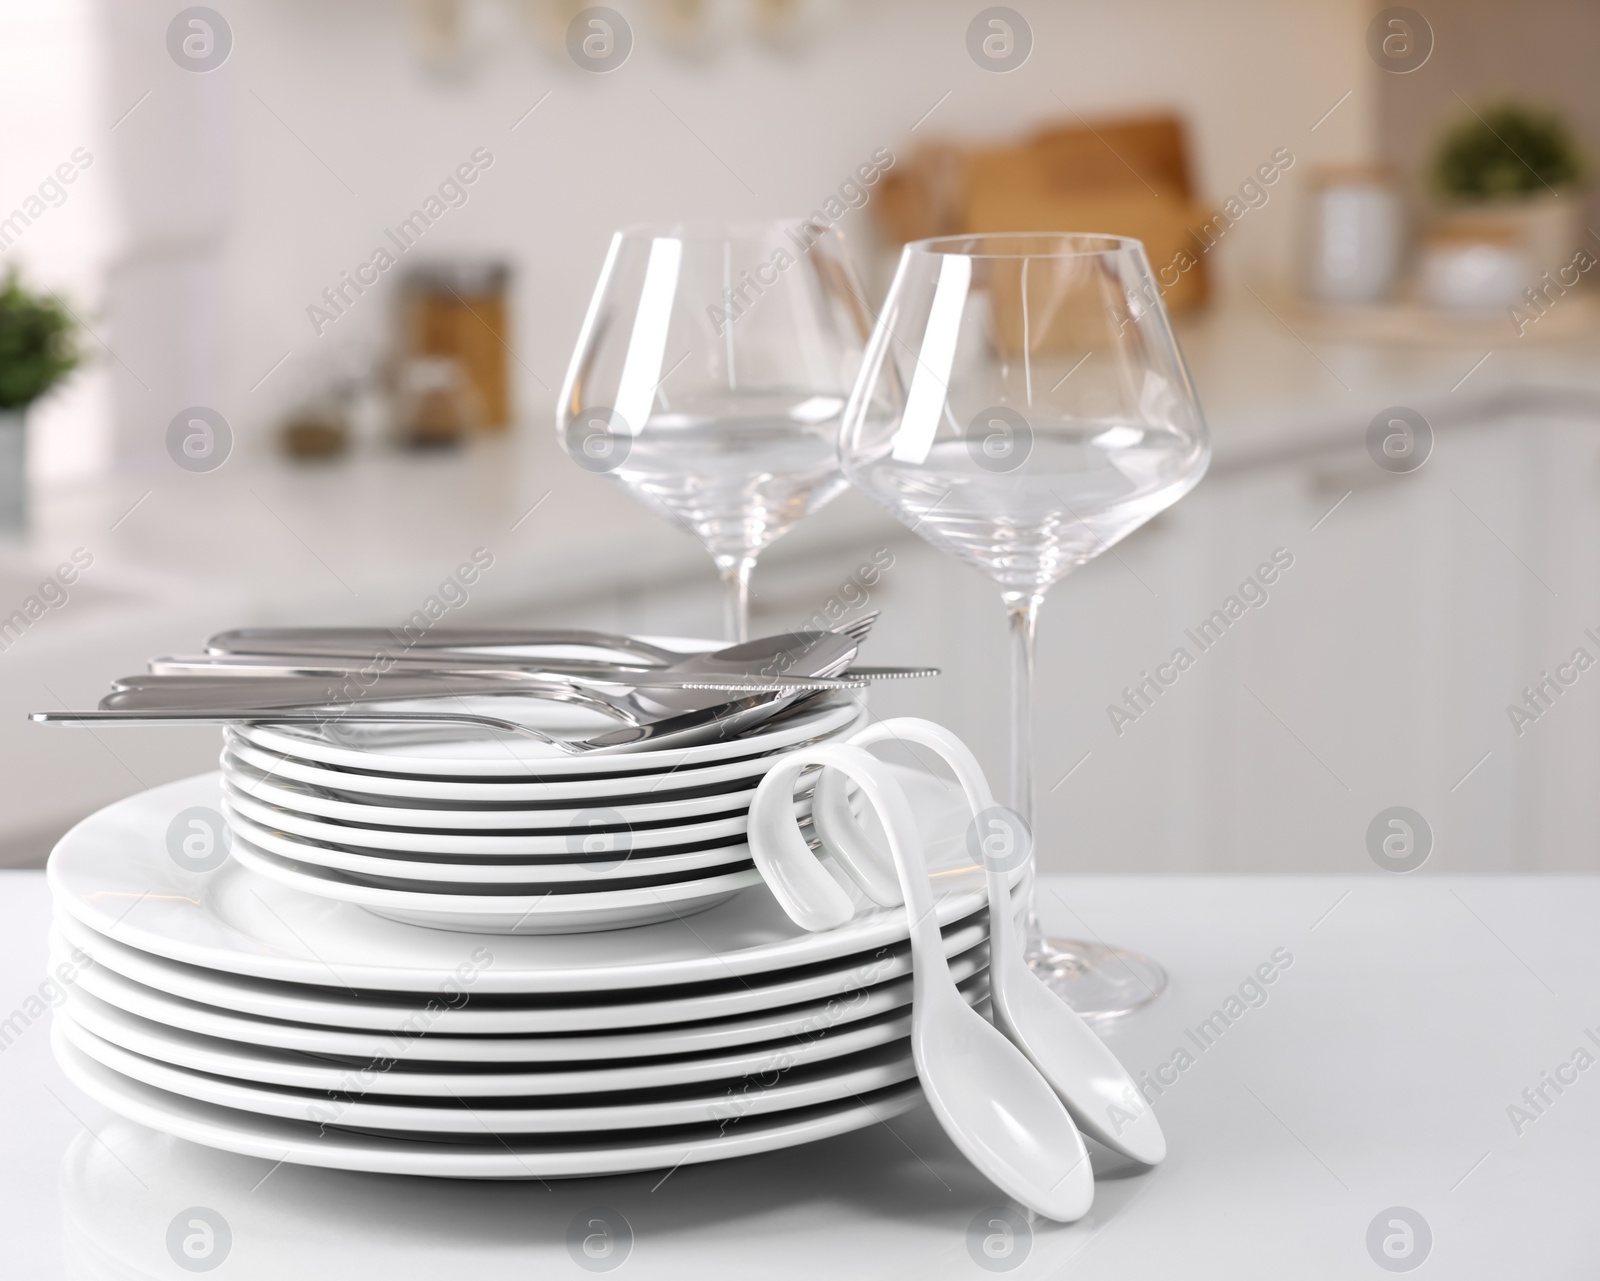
[1517, 167]
[36, 352]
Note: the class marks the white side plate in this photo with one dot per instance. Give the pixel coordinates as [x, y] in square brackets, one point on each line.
[591, 791]
[543, 913]
[599, 872]
[491, 754]
[439, 816]
[481, 845]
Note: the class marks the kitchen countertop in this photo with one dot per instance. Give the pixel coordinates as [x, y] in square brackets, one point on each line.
[368, 537]
[1378, 1070]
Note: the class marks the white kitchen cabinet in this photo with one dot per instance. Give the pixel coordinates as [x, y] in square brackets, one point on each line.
[1377, 673]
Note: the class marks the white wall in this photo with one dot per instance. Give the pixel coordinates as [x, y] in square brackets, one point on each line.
[337, 131]
[53, 102]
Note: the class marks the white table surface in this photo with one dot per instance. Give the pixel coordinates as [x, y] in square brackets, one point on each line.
[1377, 1073]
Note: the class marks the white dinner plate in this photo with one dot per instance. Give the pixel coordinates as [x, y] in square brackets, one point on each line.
[464, 1007]
[411, 1076]
[377, 867]
[439, 817]
[808, 1086]
[473, 753]
[118, 871]
[352, 786]
[593, 791]
[705, 1037]
[462, 1157]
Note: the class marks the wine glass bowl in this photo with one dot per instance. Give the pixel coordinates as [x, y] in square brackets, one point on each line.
[1023, 405]
[1066, 418]
[709, 378]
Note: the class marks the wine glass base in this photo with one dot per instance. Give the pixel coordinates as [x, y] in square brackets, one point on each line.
[1099, 982]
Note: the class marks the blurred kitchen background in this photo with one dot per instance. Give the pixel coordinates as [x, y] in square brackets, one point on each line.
[1353, 212]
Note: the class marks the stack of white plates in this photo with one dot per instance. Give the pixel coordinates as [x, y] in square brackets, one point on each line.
[231, 1008]
[498, 834]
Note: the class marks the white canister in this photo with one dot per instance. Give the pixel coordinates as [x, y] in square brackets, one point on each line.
[1356, 235]
[1473, 267]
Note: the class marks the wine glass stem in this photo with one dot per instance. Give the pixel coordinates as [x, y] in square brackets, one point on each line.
[736, 597]
[1023, 611]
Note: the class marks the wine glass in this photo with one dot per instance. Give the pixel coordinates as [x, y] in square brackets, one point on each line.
[709, 377]
[1023, 404]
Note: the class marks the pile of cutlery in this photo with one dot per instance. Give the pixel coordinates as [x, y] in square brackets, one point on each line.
[660, 696]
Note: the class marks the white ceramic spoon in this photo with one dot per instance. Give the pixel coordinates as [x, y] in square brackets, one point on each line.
[1080, 1066]
[991, 1101]
[852, 849]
